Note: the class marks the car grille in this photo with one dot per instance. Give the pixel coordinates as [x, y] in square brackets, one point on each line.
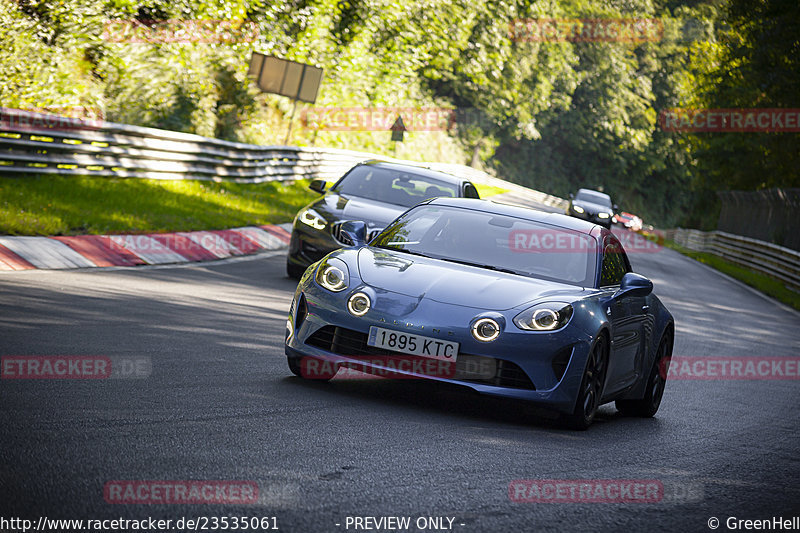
[351, 343]
[336, 233]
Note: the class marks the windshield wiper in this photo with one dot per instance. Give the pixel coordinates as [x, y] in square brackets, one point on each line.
[479, 265]
[405, 251]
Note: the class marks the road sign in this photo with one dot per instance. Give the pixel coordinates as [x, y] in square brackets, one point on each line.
[286, 78]
[398, 129]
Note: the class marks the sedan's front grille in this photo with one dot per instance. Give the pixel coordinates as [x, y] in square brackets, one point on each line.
[336, 232]
[351, 343]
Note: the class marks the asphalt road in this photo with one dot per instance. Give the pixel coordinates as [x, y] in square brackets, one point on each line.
[220, 404]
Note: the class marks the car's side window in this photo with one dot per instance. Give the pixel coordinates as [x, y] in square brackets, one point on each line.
[470, 191]
[615, 264]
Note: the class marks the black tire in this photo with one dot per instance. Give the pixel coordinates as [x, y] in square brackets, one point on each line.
[648, 406]
[592, 385]
[294, 271]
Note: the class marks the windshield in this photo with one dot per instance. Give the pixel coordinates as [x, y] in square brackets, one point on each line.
[393, 186]
[594, 197]
[494, 242]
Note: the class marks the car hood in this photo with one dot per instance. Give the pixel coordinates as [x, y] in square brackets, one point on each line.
[334, 207]
[592, 207]
[452, 283]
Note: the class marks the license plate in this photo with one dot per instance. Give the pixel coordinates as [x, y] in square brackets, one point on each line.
[412, 344]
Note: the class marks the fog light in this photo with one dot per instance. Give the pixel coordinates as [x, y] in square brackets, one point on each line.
[358, 304]
[485, 329]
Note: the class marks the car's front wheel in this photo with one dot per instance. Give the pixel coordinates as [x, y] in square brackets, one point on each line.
[592, 385]
[648, 406]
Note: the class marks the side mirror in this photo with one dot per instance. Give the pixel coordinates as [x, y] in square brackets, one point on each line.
[354, 231]
[318, 186]
[571, 196]
[633, 284]
[615, 207]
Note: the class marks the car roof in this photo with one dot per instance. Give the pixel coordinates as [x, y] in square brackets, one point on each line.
[416, 169]
[527, 213]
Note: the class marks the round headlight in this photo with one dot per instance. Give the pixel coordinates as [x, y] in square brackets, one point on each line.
[332, 278]
[358, 304]
[485, 329]
[545, 319]
[546, 316]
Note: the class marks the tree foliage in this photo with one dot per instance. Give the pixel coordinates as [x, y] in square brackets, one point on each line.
[551, 115]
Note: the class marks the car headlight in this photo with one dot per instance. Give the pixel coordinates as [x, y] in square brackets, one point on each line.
[603, 215]
[332, 274]
[358, 304]
[577, 209]
[547, 316]
[485, 329]
[309, 217]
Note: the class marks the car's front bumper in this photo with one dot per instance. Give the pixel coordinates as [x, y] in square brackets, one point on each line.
[552, 363]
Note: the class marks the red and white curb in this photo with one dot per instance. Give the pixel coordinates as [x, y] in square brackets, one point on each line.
[86, 251]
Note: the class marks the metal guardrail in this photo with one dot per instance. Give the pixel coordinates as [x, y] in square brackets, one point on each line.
[76, 147]
[778, 262]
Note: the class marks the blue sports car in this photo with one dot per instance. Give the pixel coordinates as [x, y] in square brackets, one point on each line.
[505, 300]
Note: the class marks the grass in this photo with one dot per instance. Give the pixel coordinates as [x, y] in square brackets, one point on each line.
[65, 205]
[761, 282]
[485, 191]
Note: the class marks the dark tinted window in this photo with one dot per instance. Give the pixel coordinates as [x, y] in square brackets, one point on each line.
[491, 240]
[594, 197]
[392, 186]
[615, 264]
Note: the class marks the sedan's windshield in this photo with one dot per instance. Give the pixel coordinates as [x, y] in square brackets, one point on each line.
[594, 197]
[393, 186]
[494, 242]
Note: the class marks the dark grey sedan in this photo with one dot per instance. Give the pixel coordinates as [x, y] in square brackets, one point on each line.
[593, 206]
[375, 192]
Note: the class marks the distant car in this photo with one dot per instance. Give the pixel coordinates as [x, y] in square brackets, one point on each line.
[502, 299]
[593, 206]
[374, 192]
[630, 221]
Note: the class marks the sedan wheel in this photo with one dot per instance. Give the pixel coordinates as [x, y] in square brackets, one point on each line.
[592, 385]
[648, 406]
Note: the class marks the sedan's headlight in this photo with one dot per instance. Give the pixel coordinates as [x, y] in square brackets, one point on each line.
[332, 274]
[309, 217]
[547, 316]
[577, 208]
[603, 215]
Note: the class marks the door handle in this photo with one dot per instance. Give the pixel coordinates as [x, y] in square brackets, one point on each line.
[645, 307]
